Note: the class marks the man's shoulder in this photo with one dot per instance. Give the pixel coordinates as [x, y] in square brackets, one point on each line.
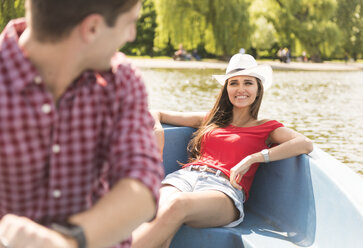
[124, 71]
[120, 62]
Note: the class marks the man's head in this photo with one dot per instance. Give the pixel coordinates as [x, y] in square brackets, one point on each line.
[53, 20]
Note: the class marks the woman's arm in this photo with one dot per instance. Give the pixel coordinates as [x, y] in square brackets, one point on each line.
[158, 132]
[291, 144]
[189, 119]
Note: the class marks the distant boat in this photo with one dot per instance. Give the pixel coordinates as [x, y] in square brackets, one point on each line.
[305, 201]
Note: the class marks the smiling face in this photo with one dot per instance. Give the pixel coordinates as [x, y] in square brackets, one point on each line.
[242, 91]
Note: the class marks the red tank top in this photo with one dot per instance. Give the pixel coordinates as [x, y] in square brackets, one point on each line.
[223, 148]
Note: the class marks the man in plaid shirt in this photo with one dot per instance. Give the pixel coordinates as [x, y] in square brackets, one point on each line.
[79, 166]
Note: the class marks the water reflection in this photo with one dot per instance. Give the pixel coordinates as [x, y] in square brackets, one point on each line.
[325, 106]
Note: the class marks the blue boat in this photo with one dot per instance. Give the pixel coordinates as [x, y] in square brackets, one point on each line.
[305, 201]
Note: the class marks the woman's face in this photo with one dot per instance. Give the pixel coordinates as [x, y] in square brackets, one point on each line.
[242, 91]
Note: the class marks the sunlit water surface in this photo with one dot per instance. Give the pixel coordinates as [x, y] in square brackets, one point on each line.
[327, 107]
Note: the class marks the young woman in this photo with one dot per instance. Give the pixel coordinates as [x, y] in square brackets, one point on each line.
[231, 141]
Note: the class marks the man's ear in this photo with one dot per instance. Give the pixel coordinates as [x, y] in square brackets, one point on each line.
[91, 27]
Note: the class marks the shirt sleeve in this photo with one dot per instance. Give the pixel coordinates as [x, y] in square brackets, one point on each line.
[274, 125]
[134, 152]
[271, 126]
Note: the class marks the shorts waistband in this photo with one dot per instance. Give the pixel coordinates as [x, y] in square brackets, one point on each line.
[205, 168]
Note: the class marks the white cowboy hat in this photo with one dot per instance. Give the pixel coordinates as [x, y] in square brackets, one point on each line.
[245, 64]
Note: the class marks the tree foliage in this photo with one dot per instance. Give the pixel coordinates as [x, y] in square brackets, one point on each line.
[146, 25]
[10, 9]
[323, 28]
[350, 21]
[221, 26]
[264, 36]
[311, 22]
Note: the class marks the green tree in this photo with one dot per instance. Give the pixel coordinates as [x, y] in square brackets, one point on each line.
[350, 20]
[146, 25]
[264, 36]
[10, 9]
[309, 22]
[222, 27]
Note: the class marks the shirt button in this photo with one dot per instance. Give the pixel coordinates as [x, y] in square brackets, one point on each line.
[37, 80]
[56, 148]
[46, 108]
[57, 193]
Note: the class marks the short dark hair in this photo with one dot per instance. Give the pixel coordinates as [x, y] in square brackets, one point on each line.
[53, 20]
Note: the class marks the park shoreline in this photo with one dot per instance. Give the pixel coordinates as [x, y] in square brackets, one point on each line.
[276, 65]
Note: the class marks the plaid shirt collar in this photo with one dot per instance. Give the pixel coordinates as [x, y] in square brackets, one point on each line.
[13, 56]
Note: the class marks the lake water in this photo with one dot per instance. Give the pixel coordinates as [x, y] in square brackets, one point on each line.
[327, 107]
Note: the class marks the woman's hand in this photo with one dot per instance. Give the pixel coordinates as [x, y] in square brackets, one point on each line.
[159, 132]
[239, 170]
[20, 232]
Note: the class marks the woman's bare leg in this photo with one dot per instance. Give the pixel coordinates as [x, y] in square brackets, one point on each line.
[140, 236]
[210, 208]
[198, 209]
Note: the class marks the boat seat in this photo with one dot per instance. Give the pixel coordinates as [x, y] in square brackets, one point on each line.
[247, 234]
[282, 210]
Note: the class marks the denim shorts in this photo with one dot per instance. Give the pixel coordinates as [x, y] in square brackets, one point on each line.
[187, 180]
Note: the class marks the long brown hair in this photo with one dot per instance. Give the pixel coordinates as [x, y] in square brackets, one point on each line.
[221, 116]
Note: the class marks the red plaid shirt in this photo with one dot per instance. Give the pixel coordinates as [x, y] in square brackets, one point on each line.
[57, 159]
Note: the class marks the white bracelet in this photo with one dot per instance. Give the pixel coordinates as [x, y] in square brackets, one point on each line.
[265, 154]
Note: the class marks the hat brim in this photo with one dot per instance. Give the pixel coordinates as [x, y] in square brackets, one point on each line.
[262, 72]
